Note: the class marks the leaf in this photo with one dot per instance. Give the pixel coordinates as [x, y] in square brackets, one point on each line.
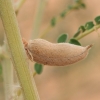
[38, 68]
[74, 41]
[0, 69]
[97, 20]
[62, 38]
[53, 21]
[80, 30]
[89, 25]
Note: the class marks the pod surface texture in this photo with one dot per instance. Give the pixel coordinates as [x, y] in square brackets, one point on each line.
[55, 54]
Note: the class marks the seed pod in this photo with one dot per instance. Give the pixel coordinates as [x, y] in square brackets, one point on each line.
[54, 54]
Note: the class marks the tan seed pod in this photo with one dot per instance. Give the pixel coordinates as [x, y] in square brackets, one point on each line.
[54, 54]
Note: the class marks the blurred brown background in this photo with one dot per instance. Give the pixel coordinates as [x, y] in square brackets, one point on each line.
[80, 81]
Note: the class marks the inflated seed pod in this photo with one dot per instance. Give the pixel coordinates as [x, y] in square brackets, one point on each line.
[54, 54]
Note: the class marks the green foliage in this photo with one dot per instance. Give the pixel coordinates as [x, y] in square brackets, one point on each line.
[38, 68]
[89, 25]
[97, 20]
[62, 38]
[0, 69]
[53, 21]
[74, 41]
[80, 30]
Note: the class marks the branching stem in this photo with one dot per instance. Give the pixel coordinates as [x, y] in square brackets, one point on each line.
[87, 32]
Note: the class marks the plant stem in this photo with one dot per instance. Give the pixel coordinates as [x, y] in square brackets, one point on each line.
[7, 71]
[38, 18]
[18, 5]
[87, 32]
[17, 50]
[8, 77]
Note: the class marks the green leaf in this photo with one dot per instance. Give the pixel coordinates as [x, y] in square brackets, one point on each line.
[74, 41]
[97, 20]
[38, 68]
[53, 21]
[0, 69]
[89, 25]
[62, 38]
[80, 30]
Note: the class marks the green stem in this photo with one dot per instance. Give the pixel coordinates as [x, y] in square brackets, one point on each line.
[7, 71]
[38, 18]
[8, 77]
[19, 5]
[87, 32]
[17, 50]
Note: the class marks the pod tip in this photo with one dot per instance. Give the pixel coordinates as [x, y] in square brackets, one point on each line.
[89, 46]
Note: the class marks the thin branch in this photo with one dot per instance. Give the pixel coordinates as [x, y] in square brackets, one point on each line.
[38, 18]
[19, 5]
[87, 32]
